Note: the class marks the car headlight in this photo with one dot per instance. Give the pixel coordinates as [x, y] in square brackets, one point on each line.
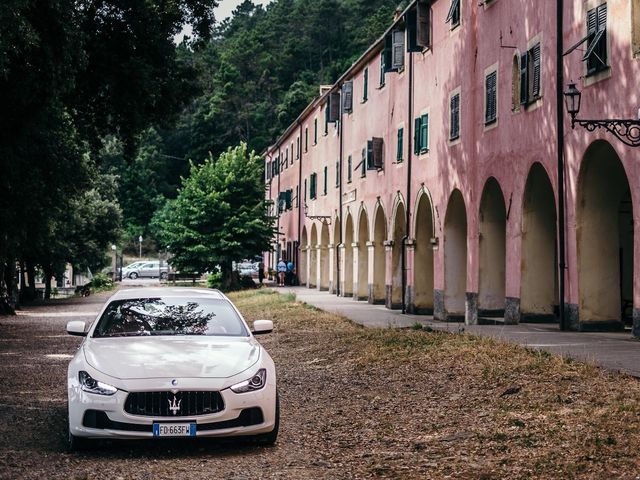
[258, 381]
[91, 385]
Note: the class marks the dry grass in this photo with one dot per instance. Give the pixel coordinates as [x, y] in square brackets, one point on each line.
[490, 409]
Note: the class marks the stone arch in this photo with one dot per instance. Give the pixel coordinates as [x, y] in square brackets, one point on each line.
[605, 239]
[492, 261]
[347, 288]
[539, 279]
[423, 257]
[302, 267]
[313, 257]
[361, 290]
[377, 291]
[455, 256]
[324, 257]
[394, 295]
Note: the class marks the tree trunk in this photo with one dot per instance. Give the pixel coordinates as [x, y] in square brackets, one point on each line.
[230, 279]
[31, 276]
[47, 283]
[7, 300]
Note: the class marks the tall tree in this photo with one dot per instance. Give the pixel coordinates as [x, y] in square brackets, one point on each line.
[219, 215]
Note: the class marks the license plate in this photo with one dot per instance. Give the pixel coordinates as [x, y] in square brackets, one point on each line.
[174, 429]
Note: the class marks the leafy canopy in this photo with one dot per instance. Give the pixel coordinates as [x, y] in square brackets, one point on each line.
[219, 214]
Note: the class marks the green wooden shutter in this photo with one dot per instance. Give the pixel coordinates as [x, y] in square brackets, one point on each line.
[412, 31]
[326, 180]
[417, 123]
[397, 59]
[347, 96]
[400, 148]
[349, 168]
[535, 87]
[326, 118]
[388, 53]
[306, 139]
[455, 117]
[363, 163]
[424, 133]
[490, 98]
[337, 174]
[365, 87]
[524, 82]
[423, 24]
[370, 155]
[315, 131]
[382, 69]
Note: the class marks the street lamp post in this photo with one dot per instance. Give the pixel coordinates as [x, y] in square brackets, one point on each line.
[140, 243]
[625, 130]
[115, 263]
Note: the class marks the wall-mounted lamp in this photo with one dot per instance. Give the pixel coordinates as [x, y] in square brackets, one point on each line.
[326, 219]
[626, 130]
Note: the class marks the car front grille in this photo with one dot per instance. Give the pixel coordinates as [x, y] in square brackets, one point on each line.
[168, 404]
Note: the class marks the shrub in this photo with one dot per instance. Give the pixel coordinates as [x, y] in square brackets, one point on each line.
[100, 280]
[214, 280]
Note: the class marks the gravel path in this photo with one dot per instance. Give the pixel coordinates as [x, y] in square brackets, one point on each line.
[356, 404]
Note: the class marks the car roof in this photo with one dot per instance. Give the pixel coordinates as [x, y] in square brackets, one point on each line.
[155, 292]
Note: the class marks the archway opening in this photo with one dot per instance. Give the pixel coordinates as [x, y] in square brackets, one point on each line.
[324, 257]
[348, 257]
[399, 229]
[539, 280]
[493, 235]
[455, 257]
[378, 293]
[605, 239]
[334, 281]
[423, 258]
[302, 267]
[313, 258]
[363, 258]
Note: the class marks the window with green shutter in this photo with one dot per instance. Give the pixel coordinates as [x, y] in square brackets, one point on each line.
[596, 54]
[530, 73]
[305, 190]
[337, 174]
[417, 124]
[326, 119]
[365, 85]
[400, 148]
[454, 131]
[382, 69]
[363, 163]
[491, 98]
[453, 16]
[297, 196]
[349, 168]
[424, 133]
[326, 180]
[315, 131]
[313, 178]
[306, 139]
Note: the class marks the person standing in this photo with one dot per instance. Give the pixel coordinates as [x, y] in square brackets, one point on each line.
[282, 270]
[260, 272]
[290, 273]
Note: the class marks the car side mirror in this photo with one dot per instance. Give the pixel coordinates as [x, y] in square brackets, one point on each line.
[77, 327]
[262, 326]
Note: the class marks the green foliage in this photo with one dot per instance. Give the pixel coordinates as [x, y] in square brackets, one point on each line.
[214, 280]
[100, 280]
[219, 215]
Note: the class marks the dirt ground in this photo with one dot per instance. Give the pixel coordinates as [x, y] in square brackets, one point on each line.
[356, 404]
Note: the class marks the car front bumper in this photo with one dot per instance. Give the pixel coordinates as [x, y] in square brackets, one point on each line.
[100, 416]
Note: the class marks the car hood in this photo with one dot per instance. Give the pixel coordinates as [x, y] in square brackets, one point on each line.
[172, 356]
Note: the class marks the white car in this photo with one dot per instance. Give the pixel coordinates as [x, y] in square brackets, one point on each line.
[161, 362]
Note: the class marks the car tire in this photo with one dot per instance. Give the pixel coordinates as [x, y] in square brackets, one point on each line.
[133, 275]
[269, 439]
[76, 444]
[163, 276]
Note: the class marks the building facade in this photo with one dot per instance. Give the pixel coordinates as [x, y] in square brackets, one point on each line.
[426, 177]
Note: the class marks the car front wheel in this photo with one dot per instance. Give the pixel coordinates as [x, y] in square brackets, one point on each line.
[269, 439]
[163, 276]
[133, 275]
[75, 444]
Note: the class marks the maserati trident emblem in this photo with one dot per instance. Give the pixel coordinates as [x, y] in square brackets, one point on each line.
[175, 405]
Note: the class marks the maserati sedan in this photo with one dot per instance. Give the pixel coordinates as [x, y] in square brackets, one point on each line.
[160, 362]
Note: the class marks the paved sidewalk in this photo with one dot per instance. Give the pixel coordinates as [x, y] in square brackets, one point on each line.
[617, 351]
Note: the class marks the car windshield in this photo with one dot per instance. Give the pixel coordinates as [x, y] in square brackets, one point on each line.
[169, 316]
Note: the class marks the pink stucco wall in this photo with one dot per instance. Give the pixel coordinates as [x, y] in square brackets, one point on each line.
[489, 35]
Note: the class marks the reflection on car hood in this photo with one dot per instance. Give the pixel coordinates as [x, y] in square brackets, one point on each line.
[172, 356]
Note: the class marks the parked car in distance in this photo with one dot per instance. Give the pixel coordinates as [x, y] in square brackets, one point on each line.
[131, 267]
[149, 269]
[162, 362]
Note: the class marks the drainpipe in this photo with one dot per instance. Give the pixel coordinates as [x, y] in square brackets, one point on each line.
[278, 210]
[300, 208]
[340, 131]
[408, 199]
[560, 147]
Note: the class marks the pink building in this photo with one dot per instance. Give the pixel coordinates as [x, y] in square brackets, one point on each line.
[429, 170]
